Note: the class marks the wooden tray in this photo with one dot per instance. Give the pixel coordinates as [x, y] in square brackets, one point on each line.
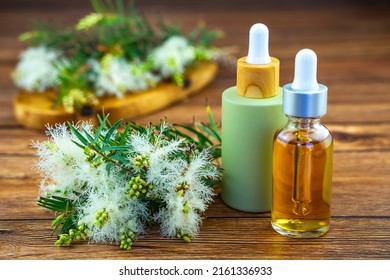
[35, 110]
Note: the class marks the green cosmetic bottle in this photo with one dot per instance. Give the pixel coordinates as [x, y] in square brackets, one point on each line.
[251, 114]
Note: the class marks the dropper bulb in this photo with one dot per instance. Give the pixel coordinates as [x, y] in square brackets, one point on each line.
[305, 75]
[258, 52]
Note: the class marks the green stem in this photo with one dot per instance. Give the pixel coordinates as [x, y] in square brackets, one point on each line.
[106, 158]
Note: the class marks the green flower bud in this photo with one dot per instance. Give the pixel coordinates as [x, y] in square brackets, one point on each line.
[186, 209]
[180, 193]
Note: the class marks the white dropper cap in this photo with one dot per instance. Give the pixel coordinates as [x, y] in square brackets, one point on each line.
[258, 45]
[305, 75]
[304, 97]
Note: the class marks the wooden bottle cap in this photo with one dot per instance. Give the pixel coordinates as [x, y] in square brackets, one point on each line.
[258, 80]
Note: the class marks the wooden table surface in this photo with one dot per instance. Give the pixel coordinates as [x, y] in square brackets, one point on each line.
[353, 47]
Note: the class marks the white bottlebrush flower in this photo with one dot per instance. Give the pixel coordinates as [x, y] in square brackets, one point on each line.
[109, 192]
[185, 194]
[173, 56]
[113, 78]
[161, 169]
[143, 78]
[115, 203]
[173, 220]
[140, 143]
[114, 75]
[157, 151]
[35, 70]
[177, 181]
[61, 162]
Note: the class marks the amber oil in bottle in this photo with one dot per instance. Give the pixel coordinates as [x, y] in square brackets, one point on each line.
[302, 157]
[302, 161]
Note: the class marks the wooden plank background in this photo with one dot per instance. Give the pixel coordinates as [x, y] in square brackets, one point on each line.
[352, 41]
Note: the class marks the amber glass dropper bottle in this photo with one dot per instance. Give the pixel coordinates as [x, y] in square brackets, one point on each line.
[302, 156]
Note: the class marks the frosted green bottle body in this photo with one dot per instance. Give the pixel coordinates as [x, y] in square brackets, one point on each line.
[248, 128]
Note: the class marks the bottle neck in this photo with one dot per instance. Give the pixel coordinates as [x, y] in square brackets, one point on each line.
[303, 123]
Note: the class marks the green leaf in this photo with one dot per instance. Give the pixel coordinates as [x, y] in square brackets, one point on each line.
[56, 203]
[120, 159]
[217, 152]
[78, 134]
[59, 198]
[208, 131]
[56, 223]
[123, 137]
[177, 133]
[111, 131]
[202, 138]
[101, 127]
[114, 148]
[89, 21]
[138, 127]
[213, 124]
[90, 138]
[108, 167]
[69, 223]
[79, 145]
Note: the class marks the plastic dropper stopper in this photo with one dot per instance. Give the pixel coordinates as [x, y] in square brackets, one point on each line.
[305, 75]
[258, 52]
[304, 97]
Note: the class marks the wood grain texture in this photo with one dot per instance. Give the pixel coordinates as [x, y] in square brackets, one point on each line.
[258, 81]
[352, 43]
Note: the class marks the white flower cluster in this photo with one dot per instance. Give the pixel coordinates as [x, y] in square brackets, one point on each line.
[176, 182]
[173, 56]
[116, 76]
[61, 163]
[112, 75]
[35, 71]
[108, 191]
